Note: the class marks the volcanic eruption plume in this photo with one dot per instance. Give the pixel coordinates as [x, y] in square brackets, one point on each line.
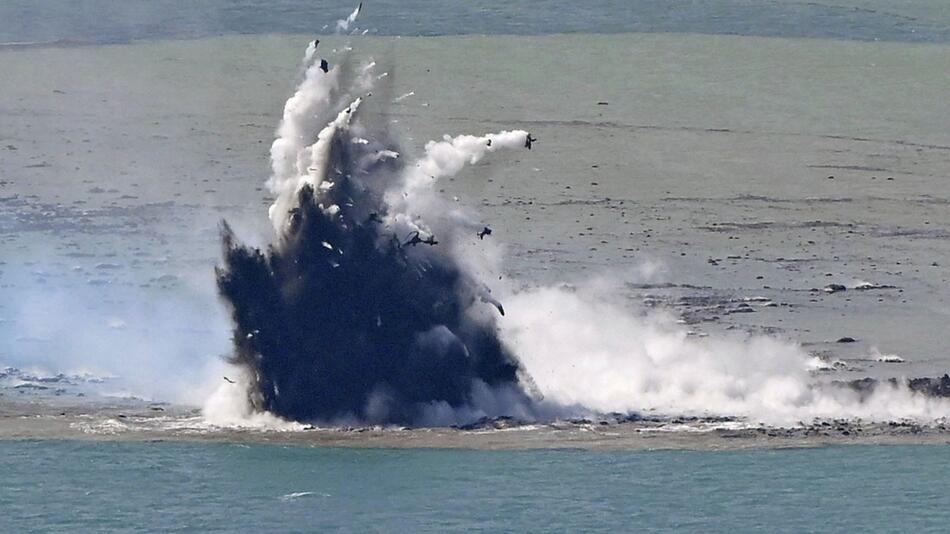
[361, 308]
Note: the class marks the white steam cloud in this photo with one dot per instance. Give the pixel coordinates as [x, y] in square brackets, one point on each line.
[343, 25]
[582, 347]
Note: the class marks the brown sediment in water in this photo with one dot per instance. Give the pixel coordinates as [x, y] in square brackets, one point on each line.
[126, 422]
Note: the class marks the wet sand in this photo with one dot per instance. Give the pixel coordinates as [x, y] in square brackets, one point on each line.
[133, 421]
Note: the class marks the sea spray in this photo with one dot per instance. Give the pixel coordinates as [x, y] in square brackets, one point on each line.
[583, 345]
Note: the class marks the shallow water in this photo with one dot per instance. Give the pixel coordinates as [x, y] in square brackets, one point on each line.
[72, 22]
[710, 164]
[85, 486]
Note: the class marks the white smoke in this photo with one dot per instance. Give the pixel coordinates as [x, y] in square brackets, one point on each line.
[310, 168]
[343, 25]
[229, 406]
[416, 206]
[446, 158]
[302, 114]
[296, 162]
[142, 341]
[309, 53]
[585, 348]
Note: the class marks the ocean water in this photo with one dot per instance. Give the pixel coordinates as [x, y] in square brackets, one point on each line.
[82, 22]
[68, 486]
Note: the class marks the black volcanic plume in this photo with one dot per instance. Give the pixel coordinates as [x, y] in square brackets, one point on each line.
[360, 309]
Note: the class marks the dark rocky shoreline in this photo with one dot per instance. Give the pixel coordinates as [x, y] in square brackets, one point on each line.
[932, 387]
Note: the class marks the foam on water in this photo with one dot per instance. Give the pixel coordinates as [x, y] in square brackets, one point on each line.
[587, 348]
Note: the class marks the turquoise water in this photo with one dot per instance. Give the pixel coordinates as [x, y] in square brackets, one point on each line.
[84, 486]
[83, 21]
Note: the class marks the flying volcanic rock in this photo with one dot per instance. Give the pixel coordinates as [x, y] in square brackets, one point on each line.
[342, 317]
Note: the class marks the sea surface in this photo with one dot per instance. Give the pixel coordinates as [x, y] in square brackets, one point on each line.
[727, 159]
[117, 21]
[69, 486]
